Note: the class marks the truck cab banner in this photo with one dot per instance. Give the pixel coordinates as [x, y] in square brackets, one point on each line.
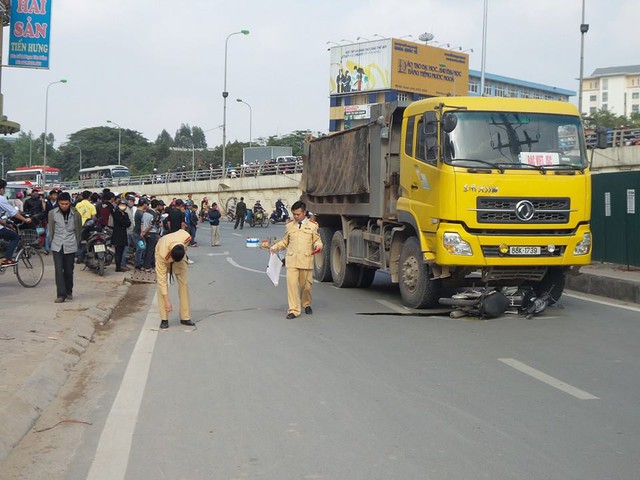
[30, 33]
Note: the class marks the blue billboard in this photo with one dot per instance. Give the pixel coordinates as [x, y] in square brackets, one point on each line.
[30, 33]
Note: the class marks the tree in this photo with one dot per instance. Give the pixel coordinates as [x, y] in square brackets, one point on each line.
[197, 135]
[183, 136]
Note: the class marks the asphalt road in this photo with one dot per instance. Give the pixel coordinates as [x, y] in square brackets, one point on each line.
[362, 389]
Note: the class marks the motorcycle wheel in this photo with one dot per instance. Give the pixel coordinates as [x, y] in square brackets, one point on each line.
[100, 268]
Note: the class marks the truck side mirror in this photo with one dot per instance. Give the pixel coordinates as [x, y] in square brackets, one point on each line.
[430, 123]
[601, 137]
[449, 122]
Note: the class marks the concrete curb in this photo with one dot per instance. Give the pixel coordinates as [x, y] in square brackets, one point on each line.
[604, 286]
[25, 406]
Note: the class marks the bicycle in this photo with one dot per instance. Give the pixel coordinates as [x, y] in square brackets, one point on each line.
[29, 265]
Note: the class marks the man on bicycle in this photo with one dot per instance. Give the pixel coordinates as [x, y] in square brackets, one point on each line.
[7, 233]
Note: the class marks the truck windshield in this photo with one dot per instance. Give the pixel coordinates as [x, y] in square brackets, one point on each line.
[516, 140]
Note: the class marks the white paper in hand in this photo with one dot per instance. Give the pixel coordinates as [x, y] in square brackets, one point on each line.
[273, 269]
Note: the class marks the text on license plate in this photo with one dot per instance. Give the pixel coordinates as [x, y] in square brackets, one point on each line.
[99, 247]
[524, 250]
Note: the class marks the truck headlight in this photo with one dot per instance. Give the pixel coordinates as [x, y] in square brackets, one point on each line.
[454, 245]
[584, 246]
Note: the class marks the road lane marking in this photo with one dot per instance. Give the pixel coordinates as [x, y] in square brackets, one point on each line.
[393, 306]
[112, 455]
[596, 299]
[237, 265]
[548, 379]
[217, 254]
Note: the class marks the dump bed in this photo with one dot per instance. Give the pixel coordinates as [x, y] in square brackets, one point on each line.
[355, 172]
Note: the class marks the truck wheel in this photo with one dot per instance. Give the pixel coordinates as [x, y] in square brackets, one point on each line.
[365, 277]
[552, 282]
[344, 275]
[321, 260]
[417, 290]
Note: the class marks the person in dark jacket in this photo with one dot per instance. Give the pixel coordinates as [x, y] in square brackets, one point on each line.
[241, 212]
[121, 222]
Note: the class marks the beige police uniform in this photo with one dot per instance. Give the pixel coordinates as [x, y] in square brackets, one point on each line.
[163, 260]
[300, 240]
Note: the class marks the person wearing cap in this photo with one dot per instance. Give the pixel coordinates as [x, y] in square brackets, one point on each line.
[171, 259]
[65, 226]
[302, 241]
[119, 239]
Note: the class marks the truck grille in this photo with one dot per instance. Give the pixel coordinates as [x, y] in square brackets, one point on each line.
[505, 210]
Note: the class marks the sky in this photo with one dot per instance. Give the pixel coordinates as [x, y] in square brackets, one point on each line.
[150, 65]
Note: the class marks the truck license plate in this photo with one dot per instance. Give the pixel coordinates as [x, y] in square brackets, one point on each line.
[99, 248]
[524, 250]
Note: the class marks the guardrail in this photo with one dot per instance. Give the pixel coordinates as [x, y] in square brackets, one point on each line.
[271, 168]
[620, 137]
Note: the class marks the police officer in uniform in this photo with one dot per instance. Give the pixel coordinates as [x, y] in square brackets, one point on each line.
[171, 257]
[301, 239]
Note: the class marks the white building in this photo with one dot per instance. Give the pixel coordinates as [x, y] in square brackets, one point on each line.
[616, 89]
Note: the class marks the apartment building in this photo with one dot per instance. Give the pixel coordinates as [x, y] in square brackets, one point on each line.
[616, 89]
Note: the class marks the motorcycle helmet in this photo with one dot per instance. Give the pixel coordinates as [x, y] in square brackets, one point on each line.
[493, 304]
[142, 245]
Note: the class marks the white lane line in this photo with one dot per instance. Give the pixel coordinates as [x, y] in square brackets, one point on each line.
[233, 262]
[393, 306]
[217, 254]
[112, 455]
[595, 299]
[548, 379]
[237, 265]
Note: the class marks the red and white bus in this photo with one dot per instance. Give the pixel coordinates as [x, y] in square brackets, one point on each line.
[36, 176]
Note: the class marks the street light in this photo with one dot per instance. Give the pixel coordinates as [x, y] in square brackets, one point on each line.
[46, 117]
[584, 28]
[250, 117]
[119, 138]
[78, 147]
[193, 157]
[225, 94]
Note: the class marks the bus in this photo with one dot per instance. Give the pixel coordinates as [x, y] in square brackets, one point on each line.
[104, 176]
[36, 176]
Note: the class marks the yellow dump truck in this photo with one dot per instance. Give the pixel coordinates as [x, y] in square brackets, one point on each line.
[453, 192]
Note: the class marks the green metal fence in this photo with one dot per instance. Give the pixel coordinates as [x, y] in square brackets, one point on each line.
[615, 219]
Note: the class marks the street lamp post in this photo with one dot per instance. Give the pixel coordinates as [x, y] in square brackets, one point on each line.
[46, 118]
[119, 138]
[225, 94]
[193, 157]
[80, 150]
[584, 28]
[484, 46]
[250, 118]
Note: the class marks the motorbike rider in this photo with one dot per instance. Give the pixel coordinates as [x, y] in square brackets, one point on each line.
[7, 233]
[34, 206]
[258, 211]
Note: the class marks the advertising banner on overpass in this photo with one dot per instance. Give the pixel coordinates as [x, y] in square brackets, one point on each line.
[30, 33]
[393, 64]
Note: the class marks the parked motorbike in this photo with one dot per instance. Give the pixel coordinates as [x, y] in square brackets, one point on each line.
[281, 215]
[95, 247]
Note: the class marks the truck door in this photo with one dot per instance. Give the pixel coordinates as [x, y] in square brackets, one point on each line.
[420, 176]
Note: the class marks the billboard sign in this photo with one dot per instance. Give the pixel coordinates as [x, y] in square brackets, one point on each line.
[357, 112]
[398, 65]
[360, 67]
[430, 71]
[30, 33]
